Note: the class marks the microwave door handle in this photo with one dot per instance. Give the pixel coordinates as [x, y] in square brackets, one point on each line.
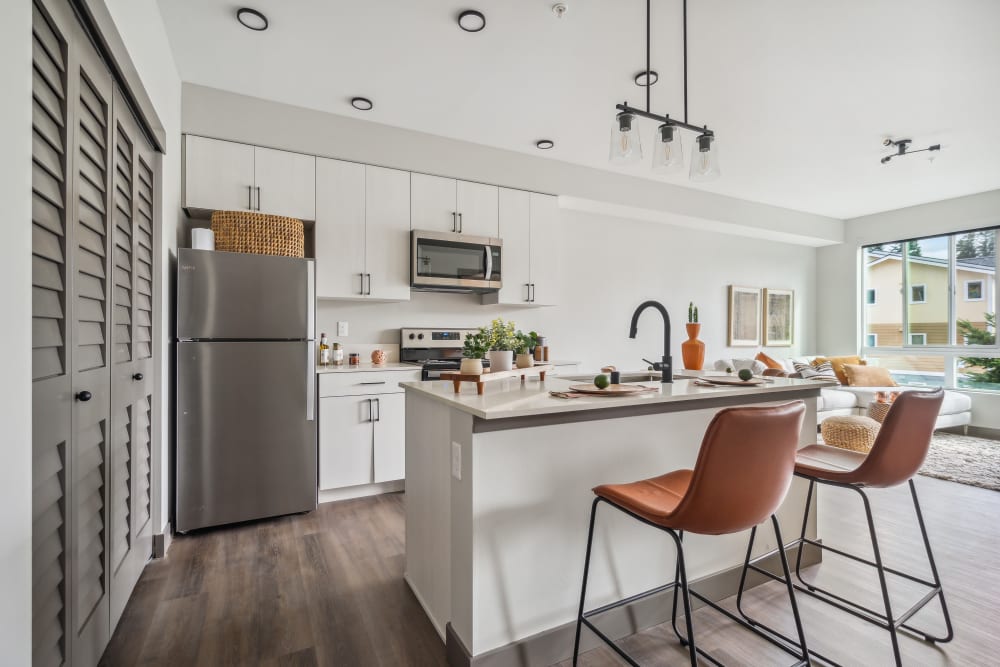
[489, 263]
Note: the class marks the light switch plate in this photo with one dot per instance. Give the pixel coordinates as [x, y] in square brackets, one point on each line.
[341, 328]
[456, 460]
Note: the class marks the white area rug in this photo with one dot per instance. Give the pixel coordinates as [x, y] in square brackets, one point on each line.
[964, 459]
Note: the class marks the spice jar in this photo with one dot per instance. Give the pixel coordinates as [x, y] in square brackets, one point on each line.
[354, 359]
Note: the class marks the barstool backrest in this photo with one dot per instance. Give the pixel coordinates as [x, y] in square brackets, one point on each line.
[902, 443]
[743, 471]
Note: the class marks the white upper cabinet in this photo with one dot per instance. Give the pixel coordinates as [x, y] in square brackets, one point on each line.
[285, 183]
[340, 228]
[515, 232]
[218, 175]
[448, 205]
[529, 228]
[362, 232]
[230, 176]
[544, 253]
[478, 209]
[387, 233]
[433, 204]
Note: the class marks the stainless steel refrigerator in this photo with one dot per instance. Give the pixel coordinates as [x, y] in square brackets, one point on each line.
[246, 388]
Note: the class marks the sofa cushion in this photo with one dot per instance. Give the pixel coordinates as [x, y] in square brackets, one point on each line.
[954, 402]
[769, 362]
[788, 363]
[809, 372]
[757, 367]
[835, 399]
[838, 364]
[867, 376]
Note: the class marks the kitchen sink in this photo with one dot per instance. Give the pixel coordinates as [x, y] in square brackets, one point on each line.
[626, 376]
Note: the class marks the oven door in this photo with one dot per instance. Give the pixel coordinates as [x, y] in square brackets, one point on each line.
[455, 262]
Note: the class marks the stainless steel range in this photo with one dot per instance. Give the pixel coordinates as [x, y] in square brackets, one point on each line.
[436, 351]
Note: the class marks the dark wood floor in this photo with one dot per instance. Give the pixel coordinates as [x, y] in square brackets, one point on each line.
[326, 588]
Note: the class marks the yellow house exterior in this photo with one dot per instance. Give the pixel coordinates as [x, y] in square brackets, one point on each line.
[927, 301]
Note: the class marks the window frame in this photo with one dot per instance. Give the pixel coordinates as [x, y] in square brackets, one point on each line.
[982, 290]
[910, 294]
[874, 338]
[916, 333]
[873, 292]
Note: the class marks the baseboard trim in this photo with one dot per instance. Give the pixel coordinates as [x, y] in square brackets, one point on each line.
[555, 645]
[162, 541]
[360, 491]
[427, 610]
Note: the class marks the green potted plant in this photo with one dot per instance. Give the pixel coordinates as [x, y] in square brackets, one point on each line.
[473, 351]
[503, 340]
[525, 343]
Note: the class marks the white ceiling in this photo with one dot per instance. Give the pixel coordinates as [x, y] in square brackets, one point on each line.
[799, 93]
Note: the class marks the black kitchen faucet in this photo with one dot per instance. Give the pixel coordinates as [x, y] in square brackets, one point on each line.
[666, 366]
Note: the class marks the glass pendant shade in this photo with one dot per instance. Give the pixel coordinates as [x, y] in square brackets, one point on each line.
[668, 150]
[704, 159]
[625, 145]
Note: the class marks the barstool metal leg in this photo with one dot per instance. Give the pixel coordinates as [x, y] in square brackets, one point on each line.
[583, 588]
[802, 535]
[934, 573]
[881, 578]
[680, 581]
[790, 587]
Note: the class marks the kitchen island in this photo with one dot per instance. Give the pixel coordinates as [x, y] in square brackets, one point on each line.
[498, 494]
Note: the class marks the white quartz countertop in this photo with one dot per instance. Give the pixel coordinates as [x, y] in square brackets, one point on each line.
[388, 366]
[504, 399]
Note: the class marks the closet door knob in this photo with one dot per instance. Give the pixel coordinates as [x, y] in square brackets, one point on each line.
[84, 396]
[137, 377]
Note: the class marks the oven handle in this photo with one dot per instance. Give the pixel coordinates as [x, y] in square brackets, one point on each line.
[489, 263]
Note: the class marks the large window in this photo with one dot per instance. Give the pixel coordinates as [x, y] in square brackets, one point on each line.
[936, 300]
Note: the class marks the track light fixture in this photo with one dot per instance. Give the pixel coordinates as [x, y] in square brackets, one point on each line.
[902, 147]
[668, 155]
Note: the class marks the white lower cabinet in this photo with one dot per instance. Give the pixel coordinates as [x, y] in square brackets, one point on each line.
[362, 437]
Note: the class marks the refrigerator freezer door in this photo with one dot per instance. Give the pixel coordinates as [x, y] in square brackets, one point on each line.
[246, 431]
[236, 296]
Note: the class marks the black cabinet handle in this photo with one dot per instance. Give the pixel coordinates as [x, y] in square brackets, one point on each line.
[378, 411]
[454, 221]
[460, 223]
[84, 396]
[371, 414]
[258, 197]
[250, 197]
[362, 292]
[137, 377]
[369, 292]
[527, 287]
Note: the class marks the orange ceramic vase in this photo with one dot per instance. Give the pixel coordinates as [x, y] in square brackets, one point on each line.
[693, 350]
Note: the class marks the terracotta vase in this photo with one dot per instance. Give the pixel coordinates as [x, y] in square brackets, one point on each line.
[693, 350]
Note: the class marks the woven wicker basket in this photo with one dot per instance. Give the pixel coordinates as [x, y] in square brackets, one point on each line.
[258, 233]
[856, 434]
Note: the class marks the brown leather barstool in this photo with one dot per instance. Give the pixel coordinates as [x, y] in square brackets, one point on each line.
[898, 452]
[742, 474]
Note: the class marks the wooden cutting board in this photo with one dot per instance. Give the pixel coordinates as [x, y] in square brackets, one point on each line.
[734, 381]
[612, 390]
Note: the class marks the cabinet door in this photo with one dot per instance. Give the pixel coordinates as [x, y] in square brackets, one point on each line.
[545, 250]
[218, 175]
[387, 233]
[478, 209]
[390, 437]
[345, 441]
[285, 183]
[515, 230]
[340, 229]
[433, 206]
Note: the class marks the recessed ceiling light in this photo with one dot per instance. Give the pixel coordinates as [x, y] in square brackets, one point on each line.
[362, 103]
[545, 144]
[252, 19]
[471, 21]
[640, 78]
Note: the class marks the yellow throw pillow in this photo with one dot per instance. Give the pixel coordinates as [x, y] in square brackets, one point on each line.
[769, 362]
[838, 365]
[859, 375]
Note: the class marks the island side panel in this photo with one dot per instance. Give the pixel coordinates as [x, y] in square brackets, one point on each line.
[428, 506]
[532, 499]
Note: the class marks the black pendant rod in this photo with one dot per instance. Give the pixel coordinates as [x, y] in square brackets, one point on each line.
[685, 61]
[664, 119]
[649, 84]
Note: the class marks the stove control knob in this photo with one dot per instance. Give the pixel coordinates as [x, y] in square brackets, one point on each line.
[420, 336]
[412, 336]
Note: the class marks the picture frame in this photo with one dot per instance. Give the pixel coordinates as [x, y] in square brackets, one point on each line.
[779, 317]
[744, 316]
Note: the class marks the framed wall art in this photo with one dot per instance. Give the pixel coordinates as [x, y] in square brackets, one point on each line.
[779, 317]
[744, 316]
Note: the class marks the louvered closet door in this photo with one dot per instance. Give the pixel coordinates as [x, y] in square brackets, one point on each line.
[92, 350]
[51, 266]
[130, 532]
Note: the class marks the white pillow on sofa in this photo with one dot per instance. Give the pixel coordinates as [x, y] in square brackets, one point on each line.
[756, 367]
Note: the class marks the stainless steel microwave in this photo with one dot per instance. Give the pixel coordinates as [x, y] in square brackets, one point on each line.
[443, 261]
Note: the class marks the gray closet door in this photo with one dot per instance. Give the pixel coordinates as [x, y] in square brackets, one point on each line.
[131, 321]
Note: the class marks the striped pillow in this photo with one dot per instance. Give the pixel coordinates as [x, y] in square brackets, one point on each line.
[823, 371]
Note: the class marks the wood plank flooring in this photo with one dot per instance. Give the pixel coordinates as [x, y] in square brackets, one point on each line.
[326, 588]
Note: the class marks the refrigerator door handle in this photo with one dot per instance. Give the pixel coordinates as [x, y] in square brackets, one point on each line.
[310, 384]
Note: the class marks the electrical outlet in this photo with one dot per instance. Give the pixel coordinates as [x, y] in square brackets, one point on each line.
[341, 328]
[456, 460]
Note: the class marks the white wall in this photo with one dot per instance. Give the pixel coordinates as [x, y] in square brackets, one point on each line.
[145, 37]
[610, 265]
[15, 334]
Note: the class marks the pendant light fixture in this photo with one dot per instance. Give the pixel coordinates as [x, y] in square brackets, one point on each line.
[667, 149]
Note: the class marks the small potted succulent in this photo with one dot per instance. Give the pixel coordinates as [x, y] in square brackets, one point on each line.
[473, 351]
[693, 350]
[503, 340]
[525, 344]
